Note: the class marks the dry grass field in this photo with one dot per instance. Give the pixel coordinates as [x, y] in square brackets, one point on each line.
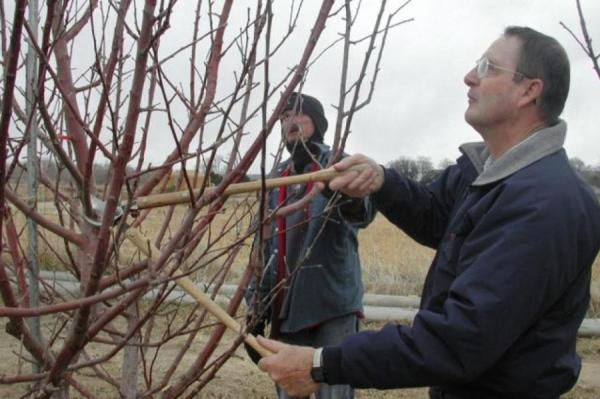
[392, 264]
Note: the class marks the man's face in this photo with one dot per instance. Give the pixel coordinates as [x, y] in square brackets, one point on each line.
[493, 98]
[296, 126]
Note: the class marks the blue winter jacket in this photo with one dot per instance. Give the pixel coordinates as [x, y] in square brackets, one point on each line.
[508, 287]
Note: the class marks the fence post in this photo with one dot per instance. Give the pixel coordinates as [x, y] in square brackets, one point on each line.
[32, 173]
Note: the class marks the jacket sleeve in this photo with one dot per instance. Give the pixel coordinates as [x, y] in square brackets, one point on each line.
[510, 271]
[421, 211]
[358, 212]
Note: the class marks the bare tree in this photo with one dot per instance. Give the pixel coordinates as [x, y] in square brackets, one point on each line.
[585, 41]
[105, 82]
[589, 173]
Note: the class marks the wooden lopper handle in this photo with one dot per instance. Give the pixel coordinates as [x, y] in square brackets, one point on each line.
[180, 197]
[144, 245]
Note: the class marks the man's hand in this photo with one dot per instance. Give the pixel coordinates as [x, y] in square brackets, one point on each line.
[357, 184]
[289, 367]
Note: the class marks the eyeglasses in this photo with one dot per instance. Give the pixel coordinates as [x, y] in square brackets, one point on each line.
[484, 66]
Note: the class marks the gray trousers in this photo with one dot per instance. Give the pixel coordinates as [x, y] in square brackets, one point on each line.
[331, 332]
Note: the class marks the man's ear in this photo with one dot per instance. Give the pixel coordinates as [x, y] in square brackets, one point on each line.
[532, 91]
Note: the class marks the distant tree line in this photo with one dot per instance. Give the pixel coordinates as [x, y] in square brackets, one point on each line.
[422, 169]
[589, 173]
[102, 172]
[53, 171]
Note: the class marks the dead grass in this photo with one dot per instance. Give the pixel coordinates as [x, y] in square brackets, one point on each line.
[392, 262]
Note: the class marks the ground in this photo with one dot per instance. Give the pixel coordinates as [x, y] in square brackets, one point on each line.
[240, 378]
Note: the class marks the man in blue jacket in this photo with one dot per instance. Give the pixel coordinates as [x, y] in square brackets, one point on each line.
[516, 233]
[310, 290]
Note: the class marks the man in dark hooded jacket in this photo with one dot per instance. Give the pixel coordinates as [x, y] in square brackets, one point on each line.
[516, 233]
[311, 288]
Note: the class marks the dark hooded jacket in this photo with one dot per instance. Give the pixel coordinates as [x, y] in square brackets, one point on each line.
[322, 265]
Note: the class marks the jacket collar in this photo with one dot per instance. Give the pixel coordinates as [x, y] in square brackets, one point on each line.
[535, 147]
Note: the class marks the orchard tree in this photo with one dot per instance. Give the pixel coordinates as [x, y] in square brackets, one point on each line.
[110, 83]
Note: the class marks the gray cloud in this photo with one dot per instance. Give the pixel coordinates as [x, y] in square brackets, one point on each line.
[420, 101]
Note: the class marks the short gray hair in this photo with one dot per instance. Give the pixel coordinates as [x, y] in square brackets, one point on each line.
[542, 57]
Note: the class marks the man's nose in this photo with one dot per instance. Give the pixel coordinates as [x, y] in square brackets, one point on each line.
[471, 78]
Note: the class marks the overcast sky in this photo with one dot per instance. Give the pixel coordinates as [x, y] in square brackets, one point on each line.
[420, 98]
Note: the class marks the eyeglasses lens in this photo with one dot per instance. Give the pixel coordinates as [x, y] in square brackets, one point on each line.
[482, 67]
